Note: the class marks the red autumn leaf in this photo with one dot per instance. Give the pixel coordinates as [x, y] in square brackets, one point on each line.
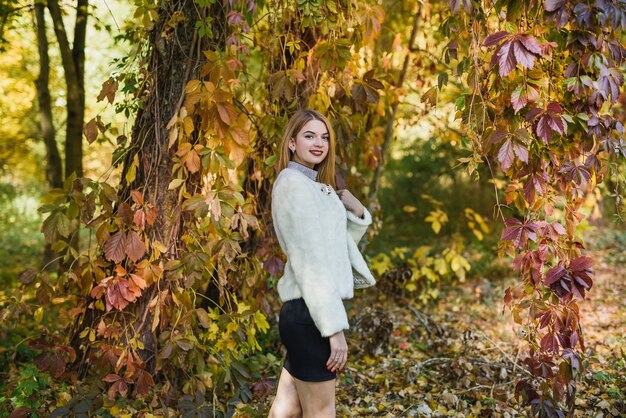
[572, 281]
[581, 264]
[549, 121]
[544, 319]
[554, 274]
[523, 56]
[274, 266]
[509, 150]
[120, 386]
[506, 156]
[135, 247]
[556, 10]
[531, 44]
[53, 362]
[550, 343]
[140, 219]
[535, 184]
[111, 378]
[519, 232]
[506, 59]
[496, 38]
[125, 213]
[508, 296]
[577, 173]
[114, 298]
[610, 82]
[144, 382]
[21, 412]
[497, 136]
[115, 247]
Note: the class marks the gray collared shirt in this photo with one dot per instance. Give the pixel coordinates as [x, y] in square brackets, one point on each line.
[309, 172]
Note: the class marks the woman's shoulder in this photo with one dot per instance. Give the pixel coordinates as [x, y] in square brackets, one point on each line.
[293, 186]
[290, 178]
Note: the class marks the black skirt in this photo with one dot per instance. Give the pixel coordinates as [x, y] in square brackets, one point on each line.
[307, 350]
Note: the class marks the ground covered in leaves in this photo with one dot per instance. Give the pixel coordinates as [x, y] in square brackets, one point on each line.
[461, 356]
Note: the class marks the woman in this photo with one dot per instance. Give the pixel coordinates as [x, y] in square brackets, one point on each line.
[318, 230]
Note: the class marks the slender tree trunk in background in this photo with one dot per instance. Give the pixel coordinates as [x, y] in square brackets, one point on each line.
[74, 76]
[73, 59]
[378, 172]
[54, 165]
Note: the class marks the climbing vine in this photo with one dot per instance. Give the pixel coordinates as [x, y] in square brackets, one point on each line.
[540, 82]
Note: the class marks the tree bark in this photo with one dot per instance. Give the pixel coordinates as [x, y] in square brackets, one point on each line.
[73, 64]
[54, 165]
[174, 60]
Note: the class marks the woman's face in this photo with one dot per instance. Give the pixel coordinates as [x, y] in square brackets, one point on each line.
[310, 146]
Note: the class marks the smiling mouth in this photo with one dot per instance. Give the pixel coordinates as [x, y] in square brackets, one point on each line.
[317, 153]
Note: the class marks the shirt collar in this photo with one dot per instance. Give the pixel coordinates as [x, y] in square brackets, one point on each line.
[309, 172]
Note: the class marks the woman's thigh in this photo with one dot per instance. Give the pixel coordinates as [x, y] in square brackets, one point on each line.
[316, 398]
[286, 403]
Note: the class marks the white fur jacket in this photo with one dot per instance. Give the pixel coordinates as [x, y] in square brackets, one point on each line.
[319, 237]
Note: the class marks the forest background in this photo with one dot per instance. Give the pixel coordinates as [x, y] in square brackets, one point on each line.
[137, 151]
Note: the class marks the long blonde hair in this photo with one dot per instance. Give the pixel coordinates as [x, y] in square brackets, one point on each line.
[325, 169]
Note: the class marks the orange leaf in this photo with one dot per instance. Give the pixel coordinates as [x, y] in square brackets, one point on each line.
[138, 281]
[227, 112]
[137, 196]
[192, 161]
[151, 216]
[140, 218]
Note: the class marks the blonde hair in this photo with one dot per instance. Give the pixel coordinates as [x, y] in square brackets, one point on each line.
[325, 169]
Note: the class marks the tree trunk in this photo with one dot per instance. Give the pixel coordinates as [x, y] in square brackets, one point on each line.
[73, 64]
[174, 60]
[54, 166]
[73, 59]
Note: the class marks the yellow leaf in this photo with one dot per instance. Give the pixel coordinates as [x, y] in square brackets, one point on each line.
[132, 170]
[260, 321]
[188, 125]
[409, 208]
[175, 184]
[39, 314]
[242, 307]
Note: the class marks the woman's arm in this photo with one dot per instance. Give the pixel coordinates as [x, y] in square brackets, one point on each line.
[359, 217]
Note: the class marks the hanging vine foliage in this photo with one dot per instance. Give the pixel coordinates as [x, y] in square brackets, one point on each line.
[540, 81]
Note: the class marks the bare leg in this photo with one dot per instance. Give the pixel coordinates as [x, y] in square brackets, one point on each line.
[286, 403]
[317, 398]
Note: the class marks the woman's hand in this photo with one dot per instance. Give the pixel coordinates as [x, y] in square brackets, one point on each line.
[351, 203]
[338, 352]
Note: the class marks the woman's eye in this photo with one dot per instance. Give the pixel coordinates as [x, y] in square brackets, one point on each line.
[326, 138]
